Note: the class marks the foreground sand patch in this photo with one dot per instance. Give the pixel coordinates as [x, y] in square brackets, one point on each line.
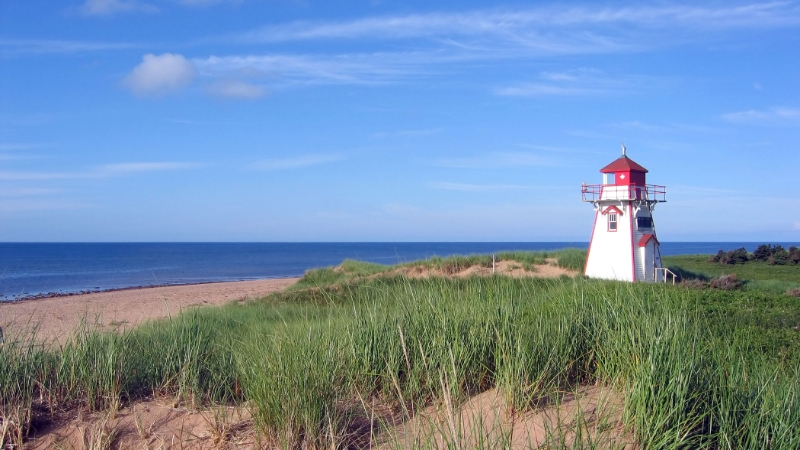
[590, 414]
[149, 425]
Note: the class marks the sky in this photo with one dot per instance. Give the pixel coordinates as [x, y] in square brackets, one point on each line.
[379, 120]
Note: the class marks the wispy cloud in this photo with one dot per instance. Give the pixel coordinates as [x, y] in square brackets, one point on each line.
[296, 162]
[26, 192]
[11, 47]
[538, 89]
[579, 82]
[241, 90]
[10, 146]
[773, 116]
[669, 127]
[443, 42]
[408, 133]
[495, 160]
[136, 167]
[693, 190]
[366, 68]
[17, 205]
[110, 7]
[466, 187]
[17, 156]
[206, 2]
[519, 24]
[551, 149]
[104, 171]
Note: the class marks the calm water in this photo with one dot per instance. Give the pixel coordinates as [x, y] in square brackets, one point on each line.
[29, 269]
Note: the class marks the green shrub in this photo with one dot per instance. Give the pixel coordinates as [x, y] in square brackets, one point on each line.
[794, 255]
[763, 252]
[716, 258]
[738, 256]
[780, 257]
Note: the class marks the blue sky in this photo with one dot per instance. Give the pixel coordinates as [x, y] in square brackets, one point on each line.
[282, 120]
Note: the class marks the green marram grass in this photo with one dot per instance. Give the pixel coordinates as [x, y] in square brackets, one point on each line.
[696, 368]
[349, 270]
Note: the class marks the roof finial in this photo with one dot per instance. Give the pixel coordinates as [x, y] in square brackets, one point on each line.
[624, 149]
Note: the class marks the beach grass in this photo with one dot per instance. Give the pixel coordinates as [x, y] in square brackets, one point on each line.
[349, 270]
[340, 364]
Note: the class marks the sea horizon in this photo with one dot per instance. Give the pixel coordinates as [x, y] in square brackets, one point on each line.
[48, 269]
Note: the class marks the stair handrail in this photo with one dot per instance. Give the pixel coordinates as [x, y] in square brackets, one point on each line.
[666, 272]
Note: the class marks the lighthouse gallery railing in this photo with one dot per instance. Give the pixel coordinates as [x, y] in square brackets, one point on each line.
[650, 192]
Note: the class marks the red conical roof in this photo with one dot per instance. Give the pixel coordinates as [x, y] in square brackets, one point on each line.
[623, 164]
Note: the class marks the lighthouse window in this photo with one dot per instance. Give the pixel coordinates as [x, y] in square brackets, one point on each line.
[612, 222]
[644, 222]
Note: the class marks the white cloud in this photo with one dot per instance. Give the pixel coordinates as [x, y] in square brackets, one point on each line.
[796, 225]
[109, 7]
[160, 74]
[237, 90]
[296, 162]
[773, 116]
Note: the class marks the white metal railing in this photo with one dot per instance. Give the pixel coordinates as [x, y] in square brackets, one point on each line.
[664, 271]
[650, 192]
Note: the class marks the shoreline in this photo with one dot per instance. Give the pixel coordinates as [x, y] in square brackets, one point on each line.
[62, 294]
[55, 318]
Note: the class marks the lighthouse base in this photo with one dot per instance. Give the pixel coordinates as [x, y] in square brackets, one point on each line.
[623, 247]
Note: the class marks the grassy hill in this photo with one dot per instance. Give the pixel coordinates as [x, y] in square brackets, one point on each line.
[339, 363]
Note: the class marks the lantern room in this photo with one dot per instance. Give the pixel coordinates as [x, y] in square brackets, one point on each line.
[624, 172]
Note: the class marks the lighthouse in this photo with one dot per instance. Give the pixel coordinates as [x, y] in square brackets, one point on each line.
[624, 245]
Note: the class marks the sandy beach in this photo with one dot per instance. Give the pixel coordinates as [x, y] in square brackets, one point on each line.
[57, 317]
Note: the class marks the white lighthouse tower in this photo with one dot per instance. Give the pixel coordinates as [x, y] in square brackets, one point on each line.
[624, 245]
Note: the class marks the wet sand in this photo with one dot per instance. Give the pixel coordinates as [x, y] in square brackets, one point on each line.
[58, 317]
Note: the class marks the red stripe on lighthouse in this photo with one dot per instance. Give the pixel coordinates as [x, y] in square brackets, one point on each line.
[591, 241]
[633, 249]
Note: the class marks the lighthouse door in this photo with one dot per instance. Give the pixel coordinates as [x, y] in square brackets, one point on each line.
[641, 271]
[646, 262]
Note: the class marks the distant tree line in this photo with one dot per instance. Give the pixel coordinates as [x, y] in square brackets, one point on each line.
[774, 255]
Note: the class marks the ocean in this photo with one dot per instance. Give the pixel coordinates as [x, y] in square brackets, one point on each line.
[43, 269]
